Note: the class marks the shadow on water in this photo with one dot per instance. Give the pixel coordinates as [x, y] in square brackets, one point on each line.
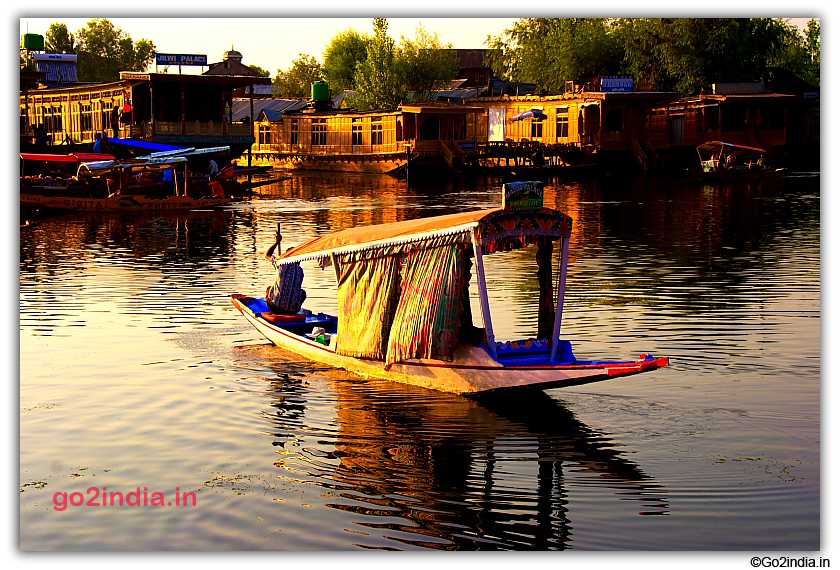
[422, 469]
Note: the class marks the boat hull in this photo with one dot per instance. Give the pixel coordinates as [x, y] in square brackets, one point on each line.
[472, 370]
[120, 204]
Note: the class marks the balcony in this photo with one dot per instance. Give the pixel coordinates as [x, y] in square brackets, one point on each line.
[192, 128]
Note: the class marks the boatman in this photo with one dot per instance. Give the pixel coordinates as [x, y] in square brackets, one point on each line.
[285, 296]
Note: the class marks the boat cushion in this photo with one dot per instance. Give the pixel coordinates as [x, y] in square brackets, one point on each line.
[275, 318]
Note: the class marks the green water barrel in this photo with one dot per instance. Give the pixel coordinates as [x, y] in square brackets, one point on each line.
[33, 42]
[320, 91]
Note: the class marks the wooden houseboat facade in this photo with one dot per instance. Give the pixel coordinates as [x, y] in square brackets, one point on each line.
[364, 141]
[754, 119]
[187, 110]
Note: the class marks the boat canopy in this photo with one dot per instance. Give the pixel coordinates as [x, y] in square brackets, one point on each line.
[104, 166]
[155, 147]
[75, 157]
[188, 152]
[728, 147]
[403, 288]
[496, 229]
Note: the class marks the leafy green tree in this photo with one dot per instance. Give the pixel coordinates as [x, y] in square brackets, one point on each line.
[702, 51]
[801, 52]
[424, 65]
[550, 51]
[259, 70]
[104, 51]
[298, 80]
[59, 40]
[671, 54]
[341, 56]
[377, 77]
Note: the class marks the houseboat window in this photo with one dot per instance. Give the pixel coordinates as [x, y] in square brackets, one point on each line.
[357, 132]
[614, 121]
[711, 114]
[734, 118]
[103, 116]
[777, 117]
[319, 132]
[87, 118]
[536, 128]
[265, 134]
[814, 125]
[295, 131]
[562, 124]
[376, 131]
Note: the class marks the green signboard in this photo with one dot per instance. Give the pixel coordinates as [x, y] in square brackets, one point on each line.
[523, 196]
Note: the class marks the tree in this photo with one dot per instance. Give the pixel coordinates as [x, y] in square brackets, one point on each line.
[670, 54]
[550, 51]
[259, 70]
[801, 52]
[425, 66]
[104, 51]
[59, 40]
[377, 78]
[341, 57]
[298, 80]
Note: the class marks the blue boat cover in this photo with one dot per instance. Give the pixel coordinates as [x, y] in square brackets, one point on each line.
[144, 145]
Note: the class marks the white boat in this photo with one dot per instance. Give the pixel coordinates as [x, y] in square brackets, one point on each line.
[404, 311]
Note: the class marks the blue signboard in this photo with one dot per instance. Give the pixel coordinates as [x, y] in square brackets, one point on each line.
[180, 59]
[617, 83]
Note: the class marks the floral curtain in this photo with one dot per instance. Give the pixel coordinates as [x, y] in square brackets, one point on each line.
[367, 295]
[426, 320]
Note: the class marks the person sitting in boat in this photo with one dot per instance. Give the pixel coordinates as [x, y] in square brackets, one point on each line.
[213, 170]
[285, 296]
[730, 161]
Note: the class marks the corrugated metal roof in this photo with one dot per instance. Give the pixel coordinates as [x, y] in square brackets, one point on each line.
[242, 107]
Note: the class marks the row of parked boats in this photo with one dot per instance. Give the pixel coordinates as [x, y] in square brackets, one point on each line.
[169, 179]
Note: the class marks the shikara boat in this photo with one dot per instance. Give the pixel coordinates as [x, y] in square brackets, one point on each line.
[148, 183]
[721, 160]
[54, 174]
[404, 306]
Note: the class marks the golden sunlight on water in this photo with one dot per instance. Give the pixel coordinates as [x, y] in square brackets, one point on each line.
[137, 372]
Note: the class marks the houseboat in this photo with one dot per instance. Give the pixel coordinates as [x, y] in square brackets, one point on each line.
[404, 311]
[605, 117]
[319, 136]
[186, 110]
[737, 113]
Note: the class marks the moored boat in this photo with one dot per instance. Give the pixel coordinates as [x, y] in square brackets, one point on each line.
[148, 183]
[721, 160]
[55, 174]
[404, 310]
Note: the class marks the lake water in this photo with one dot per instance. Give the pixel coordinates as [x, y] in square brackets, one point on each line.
[137, 372]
